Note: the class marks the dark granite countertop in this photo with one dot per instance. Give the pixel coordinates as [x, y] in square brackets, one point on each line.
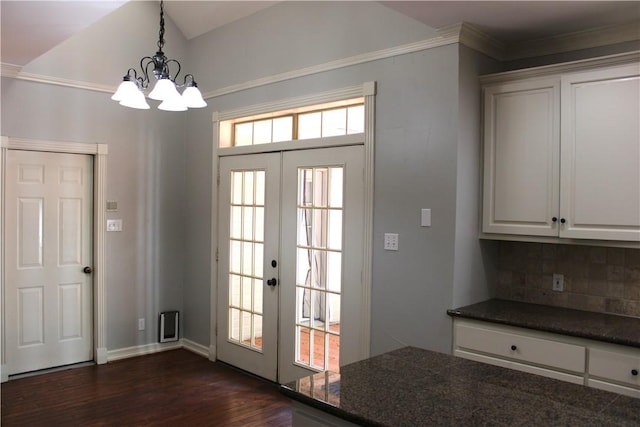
[584, 324]
[415, 387]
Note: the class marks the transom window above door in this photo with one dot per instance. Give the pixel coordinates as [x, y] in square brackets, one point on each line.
[316, 121]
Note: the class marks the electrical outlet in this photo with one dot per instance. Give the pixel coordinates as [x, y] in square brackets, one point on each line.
[558, 282]
[390, 241]
[114, 225]
[141, 324]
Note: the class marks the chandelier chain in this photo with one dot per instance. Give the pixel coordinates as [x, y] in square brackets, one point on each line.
[161, 34]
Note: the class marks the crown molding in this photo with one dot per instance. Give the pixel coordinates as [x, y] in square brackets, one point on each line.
[564, 67]
[472, 37]
[15, 72]
[9, 70]
[596, 37]
[461, 33]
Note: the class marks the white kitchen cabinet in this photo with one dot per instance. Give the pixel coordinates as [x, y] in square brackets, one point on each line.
[535, 353]
[521, 157]
[593, 363]
[562, 155]
[615, 368]
[600, 154]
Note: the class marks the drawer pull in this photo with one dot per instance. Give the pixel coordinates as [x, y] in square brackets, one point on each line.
[514, 348]
[634, 372]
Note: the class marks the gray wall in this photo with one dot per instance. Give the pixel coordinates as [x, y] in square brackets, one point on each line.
[474, 270]
[416, 157]
[145, 165]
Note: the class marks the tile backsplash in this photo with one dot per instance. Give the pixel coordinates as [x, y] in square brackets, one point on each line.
[605, 280]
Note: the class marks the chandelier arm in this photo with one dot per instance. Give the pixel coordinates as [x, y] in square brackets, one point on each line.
[185, 78]
[145, 70]
[132, 74]
[175, 77]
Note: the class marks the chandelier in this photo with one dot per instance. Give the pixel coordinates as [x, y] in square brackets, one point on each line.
[130, 93]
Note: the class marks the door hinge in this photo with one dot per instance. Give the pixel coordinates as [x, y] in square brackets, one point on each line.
[218, 179]
[217, 254]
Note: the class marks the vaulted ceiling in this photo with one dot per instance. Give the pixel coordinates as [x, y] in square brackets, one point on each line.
[31, 28]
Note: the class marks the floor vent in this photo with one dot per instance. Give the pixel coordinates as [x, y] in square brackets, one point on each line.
[169, 321]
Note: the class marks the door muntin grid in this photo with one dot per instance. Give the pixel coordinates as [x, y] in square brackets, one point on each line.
[319, 267]
[246, 258]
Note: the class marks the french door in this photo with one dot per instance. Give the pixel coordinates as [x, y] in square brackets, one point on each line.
[290, 261]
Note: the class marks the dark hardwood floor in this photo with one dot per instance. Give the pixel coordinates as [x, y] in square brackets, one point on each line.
[176, 388]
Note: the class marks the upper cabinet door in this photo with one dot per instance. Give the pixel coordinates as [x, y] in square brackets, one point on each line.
[600, 152]
[521, 157]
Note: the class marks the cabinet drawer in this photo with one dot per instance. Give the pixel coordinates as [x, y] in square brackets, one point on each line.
[554, 354]
[615, 366]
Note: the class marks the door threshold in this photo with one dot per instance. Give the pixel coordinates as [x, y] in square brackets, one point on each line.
[51, 370]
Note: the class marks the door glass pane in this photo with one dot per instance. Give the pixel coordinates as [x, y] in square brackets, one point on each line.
[246, 258]
[234, 290]
[334, 229]
[260, 188]
[319, 267]
[236, 222]
[335, 192]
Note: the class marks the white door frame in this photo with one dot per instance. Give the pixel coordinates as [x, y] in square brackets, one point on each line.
[366, 90]
[99, 153]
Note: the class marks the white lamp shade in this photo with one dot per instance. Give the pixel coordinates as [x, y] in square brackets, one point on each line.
[173, 103]
[193, 98]
[164, 89]
[127, 89]
[135, 100]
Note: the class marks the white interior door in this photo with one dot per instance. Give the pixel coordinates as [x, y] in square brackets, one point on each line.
[290, 261]
[48, 295]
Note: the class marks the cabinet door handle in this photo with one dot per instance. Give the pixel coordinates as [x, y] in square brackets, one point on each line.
[634, 372]
[514, 348]
[554, 219]
[562, 220]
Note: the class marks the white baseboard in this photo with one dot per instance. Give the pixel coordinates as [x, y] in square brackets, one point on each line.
[4, 377]
[124, 353]
[140, 350]
[196, 348]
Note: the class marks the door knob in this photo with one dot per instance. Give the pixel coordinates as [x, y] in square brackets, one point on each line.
[272, 282]
[87, 270]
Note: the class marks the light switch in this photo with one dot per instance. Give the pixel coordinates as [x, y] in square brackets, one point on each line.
[425, 217]
[114, 225]
[112, 206]
[390, 241]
